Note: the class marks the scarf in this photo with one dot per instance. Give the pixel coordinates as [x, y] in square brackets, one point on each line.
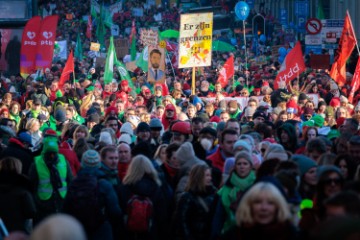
[230, 193]
[170, 170]
[110, 174]
[122, 169]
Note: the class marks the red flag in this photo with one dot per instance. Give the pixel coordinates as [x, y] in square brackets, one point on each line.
[355, 83]
[133, 31]
[292, 66]
[69, 68]
[226, 72]
[29, 46]
[346, 45]
[46, 41]
[89, 28]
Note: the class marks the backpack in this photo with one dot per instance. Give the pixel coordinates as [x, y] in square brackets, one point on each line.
[139, 214]
[82, 202]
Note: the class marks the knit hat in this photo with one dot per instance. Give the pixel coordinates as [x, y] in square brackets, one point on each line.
[185, 153]
[321, 170]
[208, 130]
[259, 113]
[343, 99]
[60, 114]
[335, 102]
[25, 138]
[125, 138]
[93, 118]
[249, 111]
[90, 158]
[244, 144]
[143, 127]
[334, 133]
[155, 124]
[304, 163]
[276, 151]
[246, 155]
[215, 119]
[318, 120]
[106, 138]
[233, 104]
[127, 128]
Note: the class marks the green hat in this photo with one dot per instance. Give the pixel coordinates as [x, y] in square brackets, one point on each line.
[90, 88]
[334, 133]
[308, 124]
[318, 120]
[50, 141]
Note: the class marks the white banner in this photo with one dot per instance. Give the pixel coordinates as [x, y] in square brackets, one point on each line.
[62, 51]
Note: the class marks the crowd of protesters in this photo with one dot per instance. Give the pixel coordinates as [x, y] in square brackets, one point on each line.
[89, 160]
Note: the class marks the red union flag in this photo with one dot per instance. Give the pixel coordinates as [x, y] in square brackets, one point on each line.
[227, 71]
[346, 45]
[68, 69]
[29, 46]
[355, 83]
[89, 28]
[46, 41]
[292, 66]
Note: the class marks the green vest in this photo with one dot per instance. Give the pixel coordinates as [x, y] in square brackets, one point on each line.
[45, 189]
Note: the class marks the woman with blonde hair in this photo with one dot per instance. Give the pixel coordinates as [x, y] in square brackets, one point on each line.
[33, 128]
[142, 182]
[263, 213]
[160, 154]
[194, 211]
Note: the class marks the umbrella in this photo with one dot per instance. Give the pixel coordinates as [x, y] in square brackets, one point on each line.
[222, 46]
[169, 34]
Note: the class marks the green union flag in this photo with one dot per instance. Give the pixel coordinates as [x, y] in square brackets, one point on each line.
[111, 59]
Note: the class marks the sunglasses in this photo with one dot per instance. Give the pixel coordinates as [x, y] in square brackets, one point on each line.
[329, 181]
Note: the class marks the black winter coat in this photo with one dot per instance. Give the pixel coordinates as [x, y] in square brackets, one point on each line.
[147, 187]
[16, 202]
[194, 215]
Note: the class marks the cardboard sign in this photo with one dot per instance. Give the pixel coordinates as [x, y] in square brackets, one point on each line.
[195, 41]
[94, 47]
[149, 37]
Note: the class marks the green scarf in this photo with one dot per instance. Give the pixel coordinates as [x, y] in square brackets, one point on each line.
[229, 194]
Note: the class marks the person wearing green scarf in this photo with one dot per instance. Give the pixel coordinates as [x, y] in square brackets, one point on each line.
[15, 113]
[241, 178]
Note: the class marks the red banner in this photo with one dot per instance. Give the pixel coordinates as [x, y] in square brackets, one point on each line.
[29, 46]
[355, 83]
[46, 41]
[346, 45]
[292, 67]
[227, 71]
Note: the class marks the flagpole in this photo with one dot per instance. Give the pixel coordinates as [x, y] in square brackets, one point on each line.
[352, 28]
[247, 78]
[167, 54]
[193, 82]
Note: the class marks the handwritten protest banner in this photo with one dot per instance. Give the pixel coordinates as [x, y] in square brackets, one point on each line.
[195, 40]
[149, 37]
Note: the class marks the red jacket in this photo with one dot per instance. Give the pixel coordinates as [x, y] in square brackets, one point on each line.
[217, 159]
[70, 156]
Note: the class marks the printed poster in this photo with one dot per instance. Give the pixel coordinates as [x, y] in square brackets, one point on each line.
[156, 65]
[195, 41]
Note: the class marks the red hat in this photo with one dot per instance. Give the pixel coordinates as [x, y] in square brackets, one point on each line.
[215, 119]
[292, 104]
[49, 133]
[4, 110]
[270, 140]
[186, 86]
[147, 90]
[124, 83]
[257, 76]
[265, 84]
[181, 127]
[335, 102]
[109, 109]
[257, 89]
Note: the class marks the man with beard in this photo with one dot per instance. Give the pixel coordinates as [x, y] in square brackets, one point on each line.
[50, 174]
[155, 72]
[204, 89]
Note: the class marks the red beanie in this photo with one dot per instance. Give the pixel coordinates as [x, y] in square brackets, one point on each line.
[335, 102]
[215, 119]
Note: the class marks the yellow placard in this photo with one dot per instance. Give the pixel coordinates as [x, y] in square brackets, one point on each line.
[195, 41]
[94, 47]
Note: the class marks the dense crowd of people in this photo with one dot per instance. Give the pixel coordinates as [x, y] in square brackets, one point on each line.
[89, 160]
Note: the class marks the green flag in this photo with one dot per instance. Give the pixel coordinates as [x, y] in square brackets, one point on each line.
[111, 59]
[107, 18]
[124, 73]
[133, 49]
[78, 49]
[320, 11]
[142, 61]
[100, 29]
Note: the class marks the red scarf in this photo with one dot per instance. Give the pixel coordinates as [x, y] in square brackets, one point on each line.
[122, 169]
[172, 171]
